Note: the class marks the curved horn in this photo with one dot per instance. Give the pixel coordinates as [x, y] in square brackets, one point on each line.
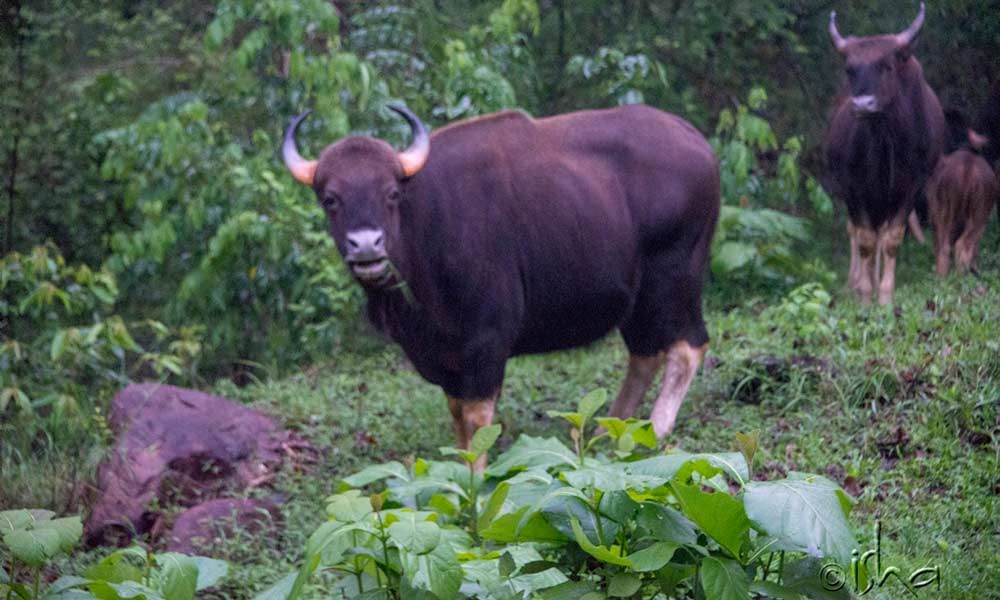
[415, 157]
[838, 40]
[302, 169]
[906, 36]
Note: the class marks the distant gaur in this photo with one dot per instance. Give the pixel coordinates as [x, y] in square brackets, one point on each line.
[884, 139]
[507, 235]
[960, 195]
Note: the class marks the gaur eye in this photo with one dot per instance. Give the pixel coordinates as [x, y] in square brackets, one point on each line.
[851, 70]
[883, 67]
[393, 197]
[331, 202]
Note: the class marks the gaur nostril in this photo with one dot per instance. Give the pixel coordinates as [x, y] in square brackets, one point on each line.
[378, 241]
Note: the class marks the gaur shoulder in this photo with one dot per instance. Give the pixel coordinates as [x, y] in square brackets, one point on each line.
[501, 119]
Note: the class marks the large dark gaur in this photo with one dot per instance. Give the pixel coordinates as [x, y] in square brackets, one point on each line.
[885, 137]
[506, 235]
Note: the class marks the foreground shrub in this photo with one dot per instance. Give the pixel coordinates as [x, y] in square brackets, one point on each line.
[30, 539]
[607, 518]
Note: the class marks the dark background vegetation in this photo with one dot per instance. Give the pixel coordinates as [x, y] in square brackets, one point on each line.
[150, 231]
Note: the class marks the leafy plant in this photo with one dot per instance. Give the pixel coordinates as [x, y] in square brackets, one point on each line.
[547, 521]
[32, 538]
[62, 342]
[805, 314]
[752, 238]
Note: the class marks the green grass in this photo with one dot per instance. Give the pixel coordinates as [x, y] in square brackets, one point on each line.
[900, 403]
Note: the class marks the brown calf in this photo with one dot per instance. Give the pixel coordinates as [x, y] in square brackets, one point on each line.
[960, 195]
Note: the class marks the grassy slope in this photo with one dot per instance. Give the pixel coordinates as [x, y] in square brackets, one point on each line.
[904, 402]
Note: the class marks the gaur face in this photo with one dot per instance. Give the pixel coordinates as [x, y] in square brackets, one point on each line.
[362, 205]
[872, 77]
[872, 65]
[359, 183]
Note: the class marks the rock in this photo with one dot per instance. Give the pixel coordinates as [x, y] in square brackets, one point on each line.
[197, 529]
[178, 446]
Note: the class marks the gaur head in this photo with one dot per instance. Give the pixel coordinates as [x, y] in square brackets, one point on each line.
[359, 183]
[873, 63]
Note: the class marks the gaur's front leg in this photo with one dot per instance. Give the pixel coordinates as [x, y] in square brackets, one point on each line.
[470, 415]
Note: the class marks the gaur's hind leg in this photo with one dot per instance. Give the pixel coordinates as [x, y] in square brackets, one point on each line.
[470, 415]
[666, 326]
[890, 239]
[683, 360]
[854, 272]
[641, 371]
[967, 246]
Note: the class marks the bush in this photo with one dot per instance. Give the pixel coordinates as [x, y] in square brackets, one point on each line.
[547, 519]
[63, 344]
[754, 238]
[32, 538]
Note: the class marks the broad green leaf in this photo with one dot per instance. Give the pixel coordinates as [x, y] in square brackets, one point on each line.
[666, 524]
[126, 590]
[178, 576]
[510, 528]
[405, 493]
[493, 506]
[802, 515]
[591, 403]
[717, 514]
[553, 494]
[618, 505]
[69, 530]
[33, 547]
[641, 431]
[654, 557]
[64, 584]
[127, 564]
[574, 418]
[531, 453]
[623, 585]
[210, 571]
[723, 579]
[437, 571]
[484, 438]
[348, 507]
[506, 565]
[327, 545]
[610, 477]
[415, 535]
[846, 502]
[11, 520]
[377, 473]
[668, 465]
[611, 555]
